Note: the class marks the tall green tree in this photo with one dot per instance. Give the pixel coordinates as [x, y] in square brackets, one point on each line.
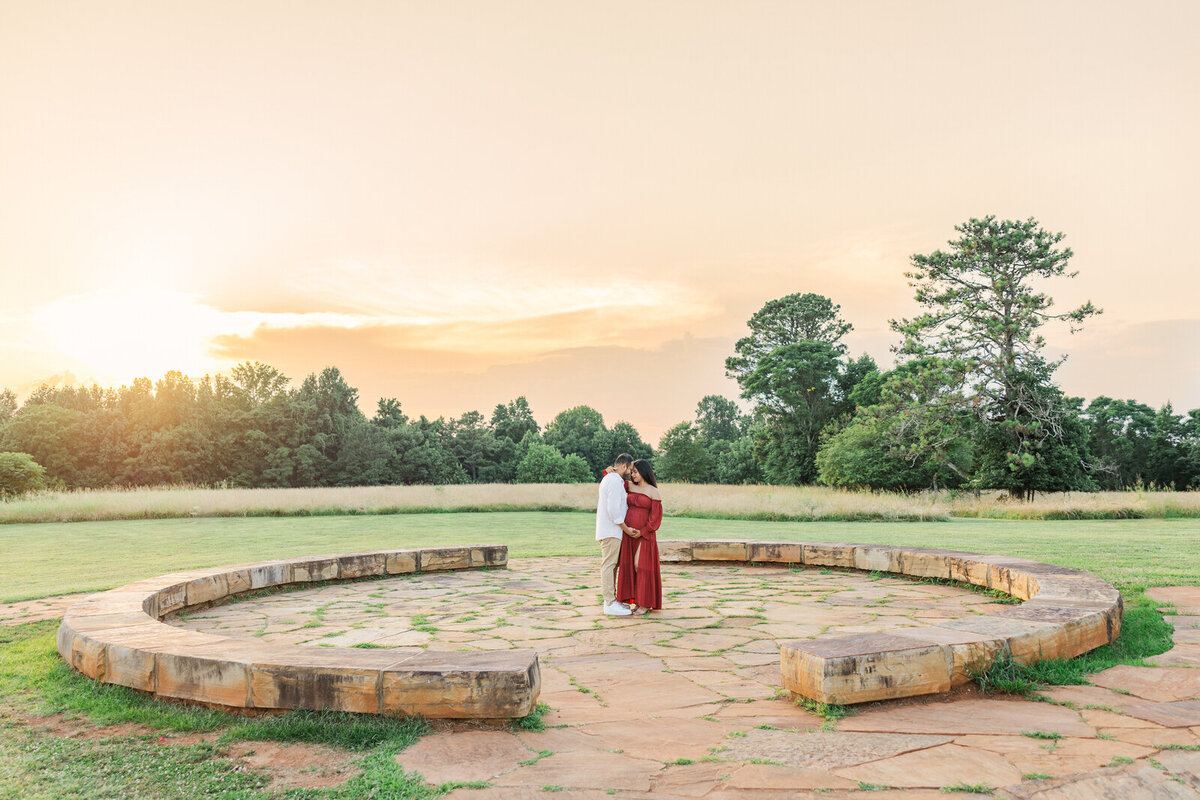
[787, 320]
[514, 420]
[8, 405]
[683, 458]
[580, 430]
[796, 392]
[19, 474]
[984, 309]
[718, 419]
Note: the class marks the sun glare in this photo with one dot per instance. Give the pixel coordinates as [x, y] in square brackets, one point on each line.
[120, 337]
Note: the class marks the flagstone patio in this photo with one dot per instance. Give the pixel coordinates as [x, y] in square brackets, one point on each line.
[687, 702]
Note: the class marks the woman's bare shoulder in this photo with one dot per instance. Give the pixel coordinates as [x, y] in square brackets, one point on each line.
[653, 493]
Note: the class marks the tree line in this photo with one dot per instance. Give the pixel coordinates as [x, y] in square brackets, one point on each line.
[249, 429]
[971, 402]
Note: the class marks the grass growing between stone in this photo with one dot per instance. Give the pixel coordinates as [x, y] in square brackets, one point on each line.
[1144, 633]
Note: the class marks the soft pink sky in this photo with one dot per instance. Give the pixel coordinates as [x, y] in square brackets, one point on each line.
[457, 203]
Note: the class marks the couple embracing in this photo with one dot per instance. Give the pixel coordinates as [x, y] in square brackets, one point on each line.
[627, 518]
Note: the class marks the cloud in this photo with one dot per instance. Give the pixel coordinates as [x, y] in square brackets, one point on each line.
[1152, 362]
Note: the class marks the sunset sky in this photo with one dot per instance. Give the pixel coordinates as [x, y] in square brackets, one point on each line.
[460, 202]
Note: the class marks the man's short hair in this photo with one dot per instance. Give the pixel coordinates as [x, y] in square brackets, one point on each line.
[624, 458]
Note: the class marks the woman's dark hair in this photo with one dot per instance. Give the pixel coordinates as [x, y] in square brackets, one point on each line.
[646, 471]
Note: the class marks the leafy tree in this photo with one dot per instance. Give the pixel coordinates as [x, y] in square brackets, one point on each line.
[683, 458]
[719, 419]
[983, 310]
[787, 320]
[580, 430]
[473, 443]
[44, 432]
[916, 435]
[626, 439]
[858, 456]
[330, 409]
[543, 463]
[514, 420]
[20, 474]
[796, 390]
[8, 405]
[1121, 435]
[388, 413]
[575, 470]
[258, 383]
[738, 464]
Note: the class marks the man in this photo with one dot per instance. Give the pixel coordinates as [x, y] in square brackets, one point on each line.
[610, 524]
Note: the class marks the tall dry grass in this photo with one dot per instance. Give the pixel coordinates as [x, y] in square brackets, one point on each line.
[1076, 505]
[741, 502]
[798, 503]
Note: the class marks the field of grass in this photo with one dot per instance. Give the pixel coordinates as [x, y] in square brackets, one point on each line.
[55, 558]
[58, 558]
[776, 503]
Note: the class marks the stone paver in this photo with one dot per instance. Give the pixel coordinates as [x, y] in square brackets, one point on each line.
[37, 610]
[464, 757]
[823, 749]
[945, 765]
[1162, 685]
[1186, 599]
[686, 703]
[1184, 765]
[1134, 782]
[983, 716]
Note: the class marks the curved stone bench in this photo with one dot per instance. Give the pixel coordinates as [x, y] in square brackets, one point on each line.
[116, 637]
[1068, 612]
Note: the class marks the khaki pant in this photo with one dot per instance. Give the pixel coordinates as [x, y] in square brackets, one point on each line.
[610, 554]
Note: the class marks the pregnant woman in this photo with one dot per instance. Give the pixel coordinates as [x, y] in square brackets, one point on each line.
[639, 582]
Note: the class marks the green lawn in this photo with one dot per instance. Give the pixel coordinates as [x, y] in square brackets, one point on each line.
[53, 558]
[57, 558]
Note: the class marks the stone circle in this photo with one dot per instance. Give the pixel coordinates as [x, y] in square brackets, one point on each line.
[118, 636]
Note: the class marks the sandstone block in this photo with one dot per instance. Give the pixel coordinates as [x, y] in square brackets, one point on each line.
[132, 652]
[776, 552]
[674, 551]
[821, 554]
[1078, 630]
[361, 565]
[966, 570]
[206, 589]
[1025, 639]
[305, 677]
[239, 581]
[720, 551]
[80, 652]
[925, 563]
[314, 570]
[967, 649]
[864, 667]
[487, 685]
[439, 558]
[264, 576]
[402, 562]
[208, 673]
[489, 556]
[168, 599]
[877, 559]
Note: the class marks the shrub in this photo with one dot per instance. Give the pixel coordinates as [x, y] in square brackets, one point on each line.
[20, 474]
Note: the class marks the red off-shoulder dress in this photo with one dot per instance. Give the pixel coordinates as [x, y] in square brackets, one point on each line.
[638, 577]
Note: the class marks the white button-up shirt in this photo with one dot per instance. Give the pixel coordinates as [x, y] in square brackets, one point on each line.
[611, 508]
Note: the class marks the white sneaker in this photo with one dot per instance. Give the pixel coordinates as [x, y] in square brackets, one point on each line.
[615, 609]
